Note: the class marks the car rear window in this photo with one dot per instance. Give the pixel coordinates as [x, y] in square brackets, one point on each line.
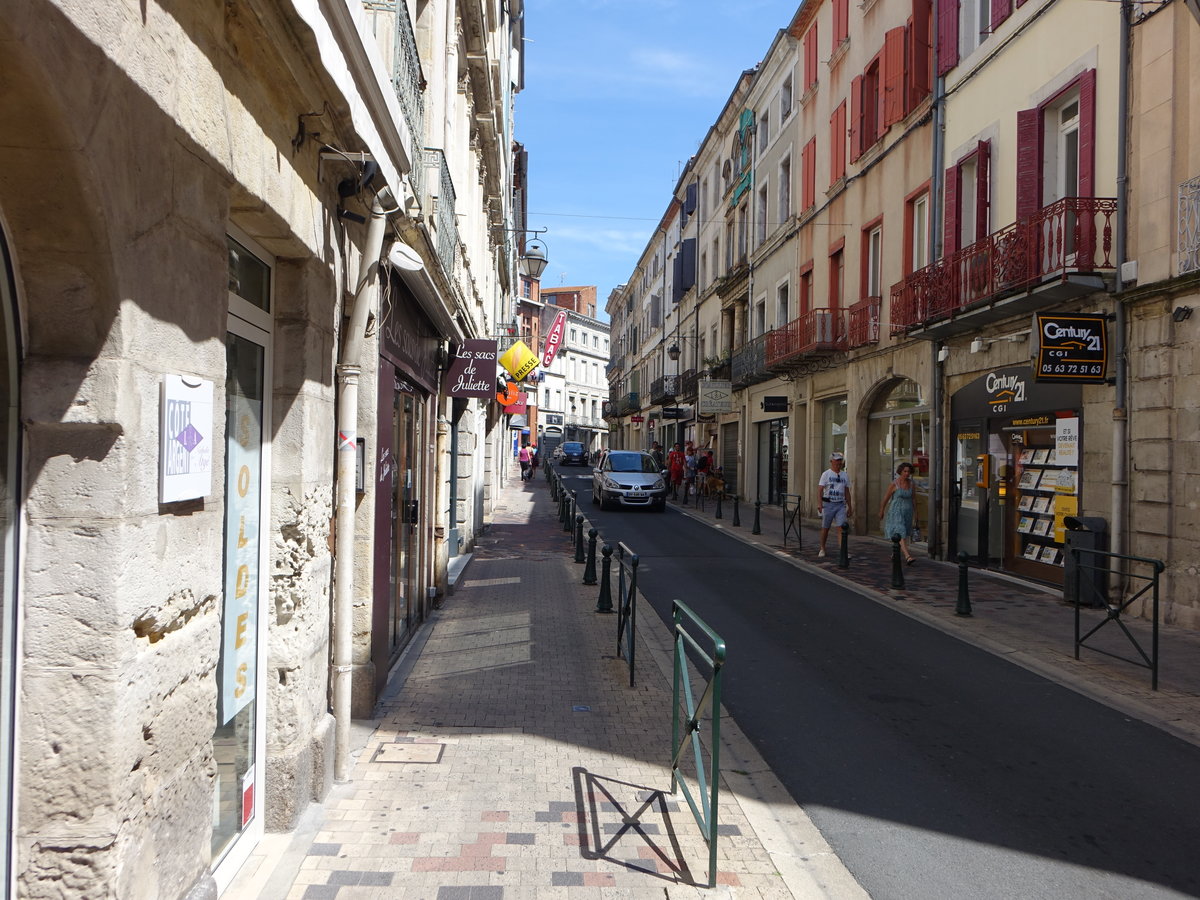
[570, 447]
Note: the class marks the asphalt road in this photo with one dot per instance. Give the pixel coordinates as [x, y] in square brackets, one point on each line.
[935, 769]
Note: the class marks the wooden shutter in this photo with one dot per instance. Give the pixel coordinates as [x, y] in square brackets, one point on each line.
[810, 57]
[947, 35]
[837, 143]
[808, 162]
[856, 118]
[1001, 10]
[953, 211]
[1087, 133]
[893, 76]
[1029, 162]
[918, 82]
[841, 21]
[982, 188]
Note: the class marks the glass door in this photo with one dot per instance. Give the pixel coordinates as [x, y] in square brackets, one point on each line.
[405, 510]
[969, 492]
[9, 535]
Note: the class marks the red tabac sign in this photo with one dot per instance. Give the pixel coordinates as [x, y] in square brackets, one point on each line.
[554, 338]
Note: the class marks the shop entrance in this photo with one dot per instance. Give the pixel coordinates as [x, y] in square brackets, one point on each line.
[898, 431]
[773, 460]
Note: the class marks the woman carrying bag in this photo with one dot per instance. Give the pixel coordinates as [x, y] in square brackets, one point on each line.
[896, 510]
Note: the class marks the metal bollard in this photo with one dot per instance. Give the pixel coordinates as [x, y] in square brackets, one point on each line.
[844, 548]
[757, 529]
[718, 512]
[604, 602]
[737, 519]
[579, 557]
[963, 607]
[562, 507]
[589, 570]
[572, 506]
[897, 563]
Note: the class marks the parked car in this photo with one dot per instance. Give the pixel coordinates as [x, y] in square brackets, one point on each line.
[573, 454]
[629, 478]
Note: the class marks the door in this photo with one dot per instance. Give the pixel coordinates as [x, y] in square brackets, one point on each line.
[972, 475]
[405, 517]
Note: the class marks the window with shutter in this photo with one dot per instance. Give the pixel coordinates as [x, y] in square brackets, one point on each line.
[1087, 133]
[918, 82]
[950, 243]
[808, 161]
[856, 118]
[947, 35]
[810, 57]
[1001, 10]
[837, 143]
[982, 189]
[841, 22]
[893, 76]
[1029, 162]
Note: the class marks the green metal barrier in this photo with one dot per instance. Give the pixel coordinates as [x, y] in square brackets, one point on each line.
[627, 606]
[704, 809]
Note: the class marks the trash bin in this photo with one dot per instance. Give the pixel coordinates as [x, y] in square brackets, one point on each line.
[1091, 571]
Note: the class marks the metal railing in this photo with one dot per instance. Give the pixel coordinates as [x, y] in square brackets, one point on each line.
[444, 219]
[1113, 610]
[625, 404]
[662, 389]
[863, 322]
[1189, 226]
[409, 84]
[791, 518]
[687, 733]
[627, 562]
[689, 384]
[749, 362]
[1072, 235]
[816, 331]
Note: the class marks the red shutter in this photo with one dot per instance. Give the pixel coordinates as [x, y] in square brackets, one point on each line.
[918, 83]
[810, 57]
[856, 118]
[837, 143]
[982, 189]
[1087, 133]
[893, 76]
[841, 21]
[808, 162]
[1001, 10]
[1029, 162]
[947, 35]
[953, 211]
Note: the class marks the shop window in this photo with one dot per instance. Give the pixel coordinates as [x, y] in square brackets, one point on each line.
[835, 426]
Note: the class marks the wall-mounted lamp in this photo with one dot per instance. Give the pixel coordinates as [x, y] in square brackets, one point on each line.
[978, 345]
[943, 354]
[533, 261]
[1182, 313]
[673, 352]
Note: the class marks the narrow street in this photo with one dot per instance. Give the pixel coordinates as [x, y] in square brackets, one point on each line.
[931, 766]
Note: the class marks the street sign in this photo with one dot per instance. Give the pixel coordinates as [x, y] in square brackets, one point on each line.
[1071, 349]
[637, 418]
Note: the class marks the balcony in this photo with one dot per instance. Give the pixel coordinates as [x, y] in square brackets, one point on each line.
[445, 224]
[1059, 253]
[662, 390]
[749, 363]
[689, 385]
[813, 336]
[863, 324]
[626, 404]
[409, 84]
[615, 367]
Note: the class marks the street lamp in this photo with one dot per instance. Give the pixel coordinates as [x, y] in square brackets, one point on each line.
[534, 262]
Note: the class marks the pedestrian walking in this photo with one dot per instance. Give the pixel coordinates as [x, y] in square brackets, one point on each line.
[834, 501]
[675, 461]
[703, 464]
[533, 458]
[656, 451]
[523, 458]
[896, 510]
[689, 471]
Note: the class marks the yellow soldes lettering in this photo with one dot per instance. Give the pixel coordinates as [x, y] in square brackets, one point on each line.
[243, 482]
[242, 680]
[242, 539]
[239, 639]
[243, 581]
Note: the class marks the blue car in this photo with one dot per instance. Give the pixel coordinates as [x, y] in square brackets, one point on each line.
[573, 454]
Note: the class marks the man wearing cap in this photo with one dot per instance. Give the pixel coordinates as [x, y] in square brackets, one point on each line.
[833, 492]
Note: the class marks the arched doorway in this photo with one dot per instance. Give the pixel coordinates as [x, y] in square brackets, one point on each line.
[898, 431]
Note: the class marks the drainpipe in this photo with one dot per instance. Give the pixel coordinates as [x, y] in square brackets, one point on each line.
[348, 371]
[1120, 416]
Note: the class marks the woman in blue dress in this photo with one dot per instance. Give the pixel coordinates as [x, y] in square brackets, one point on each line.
[896, 510]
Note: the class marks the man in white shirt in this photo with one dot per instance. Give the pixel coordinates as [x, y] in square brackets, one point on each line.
[834, 502]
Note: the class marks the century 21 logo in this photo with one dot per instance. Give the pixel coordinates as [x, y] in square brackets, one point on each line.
[1084, 338]
[1005, 389]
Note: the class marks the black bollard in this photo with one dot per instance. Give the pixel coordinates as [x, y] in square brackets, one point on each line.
[737, 519]
[579, 557]
[604, 602]
[963, 607]
[562, 507]
[553, 492]
[589, 570]
[897, 563]
[757, 529]
[718, 512]
[844, 548]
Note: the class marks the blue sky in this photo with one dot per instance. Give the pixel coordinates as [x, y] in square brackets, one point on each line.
[618, 95]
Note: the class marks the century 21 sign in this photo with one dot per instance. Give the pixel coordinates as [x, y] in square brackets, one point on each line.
[1071, 349]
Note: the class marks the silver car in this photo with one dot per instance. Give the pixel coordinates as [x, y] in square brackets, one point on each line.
[629, 478]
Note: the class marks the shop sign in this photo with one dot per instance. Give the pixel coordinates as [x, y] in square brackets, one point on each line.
[774, 404]
[675, 412]
[520, 405]
[473, 370]
[1071, 349]
[185, 439]
[239, 623]
[637, 418]
[554, 338]
[518, 360]
[715, 397]
[1004, 390]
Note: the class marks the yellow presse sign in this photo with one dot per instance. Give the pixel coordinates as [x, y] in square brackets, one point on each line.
[518, 360]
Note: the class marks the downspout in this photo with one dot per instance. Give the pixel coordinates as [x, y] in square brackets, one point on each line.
[1120, 416]
[348, 370]
[936, 213]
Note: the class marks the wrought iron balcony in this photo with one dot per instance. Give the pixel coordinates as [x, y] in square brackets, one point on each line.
[816, 333]
[626, 404]
[662, 390]
[1056, 254]
[689, 385]
[615, 367]
[749, 363]
[445, 223]
[409, 84]
[863, 325]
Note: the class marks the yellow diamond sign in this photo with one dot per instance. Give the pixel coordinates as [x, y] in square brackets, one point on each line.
[518, 360]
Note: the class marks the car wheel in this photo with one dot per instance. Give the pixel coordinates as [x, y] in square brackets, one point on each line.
[595, 500]
[661, 506]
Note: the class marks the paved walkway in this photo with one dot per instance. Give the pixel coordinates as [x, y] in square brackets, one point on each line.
[510, 758]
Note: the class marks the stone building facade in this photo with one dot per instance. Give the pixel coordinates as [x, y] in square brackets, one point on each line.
[215, 218]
